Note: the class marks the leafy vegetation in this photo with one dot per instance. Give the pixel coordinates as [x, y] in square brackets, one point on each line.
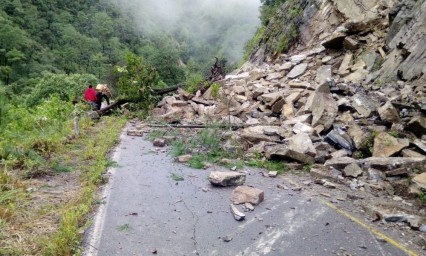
[274, 37]
[422, 197]
[269, 165]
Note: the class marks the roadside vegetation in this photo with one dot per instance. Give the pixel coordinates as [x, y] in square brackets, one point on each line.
[40, 158]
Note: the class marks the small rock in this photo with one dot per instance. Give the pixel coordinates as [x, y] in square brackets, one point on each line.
[388, 113]
[184, 158]
[420, 145]
[154, 251]
[159, 143]
[135, 133]
[227, 239]
[352, 170]
[339, 138]
[411, 153]
[363, 105]
[238, 215]
[350, 44]
[395, 218]
[273, 174]
[328, 184]
[420, 180]
[325, 194]
[397, 198]
[280, 186]
[297, 71]
[93, 115]
[281, 151]
[249, 206]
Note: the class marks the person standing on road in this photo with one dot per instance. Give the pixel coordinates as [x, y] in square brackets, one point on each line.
[90, 97]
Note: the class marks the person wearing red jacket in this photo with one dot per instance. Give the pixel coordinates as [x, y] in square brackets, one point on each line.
[90, 97]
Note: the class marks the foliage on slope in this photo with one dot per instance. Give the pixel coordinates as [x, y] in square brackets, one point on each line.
[272, 37]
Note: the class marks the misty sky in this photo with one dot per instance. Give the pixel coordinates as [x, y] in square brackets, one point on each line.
[233, 21]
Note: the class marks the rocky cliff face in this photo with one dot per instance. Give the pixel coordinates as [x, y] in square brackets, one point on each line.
[394, 29]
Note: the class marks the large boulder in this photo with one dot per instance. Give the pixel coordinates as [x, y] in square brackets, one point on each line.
[323, 107]
[385, 145]
[391, 163]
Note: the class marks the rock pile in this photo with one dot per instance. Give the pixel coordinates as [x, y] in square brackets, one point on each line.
[321, 105]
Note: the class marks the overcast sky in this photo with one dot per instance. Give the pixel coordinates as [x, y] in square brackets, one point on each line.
[237, 19]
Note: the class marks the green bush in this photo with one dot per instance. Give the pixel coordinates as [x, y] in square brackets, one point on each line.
[193, 82]
[31, 135]
[137, 81]
[67, 87]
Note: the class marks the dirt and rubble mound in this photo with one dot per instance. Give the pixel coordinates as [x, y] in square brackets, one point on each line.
[348, 99]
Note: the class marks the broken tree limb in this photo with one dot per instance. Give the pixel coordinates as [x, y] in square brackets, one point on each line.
[112, 106]
[201, 126]
[169, 89]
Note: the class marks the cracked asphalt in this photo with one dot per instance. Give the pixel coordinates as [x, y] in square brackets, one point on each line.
[145, 211]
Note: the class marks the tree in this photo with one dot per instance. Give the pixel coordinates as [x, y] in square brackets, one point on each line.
[136, 82]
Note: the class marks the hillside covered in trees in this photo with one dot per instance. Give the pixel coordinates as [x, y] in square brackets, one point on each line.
[41, 38]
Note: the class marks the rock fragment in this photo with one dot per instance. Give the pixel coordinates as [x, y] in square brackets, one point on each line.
[238, 215]
[245, 194]
[184, 158]
[388, 113]
[363, 105]
[386, 145]
[323, 107]
[420, 180]
[226, 179]
[282, 152]
[297, 71]
[135, 133]
[352, 170]
[159, 142]
[417, 125]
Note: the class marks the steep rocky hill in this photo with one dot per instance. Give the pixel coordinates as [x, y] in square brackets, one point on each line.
[335, 85]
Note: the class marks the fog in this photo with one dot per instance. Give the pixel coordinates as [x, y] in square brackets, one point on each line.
[221, 24]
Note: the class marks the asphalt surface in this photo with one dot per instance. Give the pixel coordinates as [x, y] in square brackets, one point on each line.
[146, 211]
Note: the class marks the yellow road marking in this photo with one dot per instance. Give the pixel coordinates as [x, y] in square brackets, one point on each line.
[371, 229]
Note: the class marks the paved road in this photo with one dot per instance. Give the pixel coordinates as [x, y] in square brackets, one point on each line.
[146, 210]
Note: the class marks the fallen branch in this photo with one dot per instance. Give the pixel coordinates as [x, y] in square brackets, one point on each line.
[201, 126]
[168, 89]
[112, 106]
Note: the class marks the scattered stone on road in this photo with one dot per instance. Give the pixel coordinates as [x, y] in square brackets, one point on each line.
[159, 143]
[184, 158]
[226, 179]
[245, 194]
[227, 239]
[238, 215]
